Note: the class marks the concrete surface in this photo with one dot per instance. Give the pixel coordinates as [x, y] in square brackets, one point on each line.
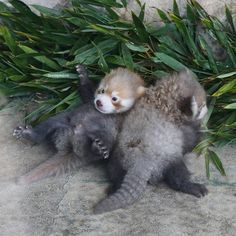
[62, 206]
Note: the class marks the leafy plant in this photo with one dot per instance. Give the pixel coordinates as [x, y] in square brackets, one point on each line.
[38, 54]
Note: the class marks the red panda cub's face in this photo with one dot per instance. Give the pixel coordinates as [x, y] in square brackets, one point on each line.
[118, 91]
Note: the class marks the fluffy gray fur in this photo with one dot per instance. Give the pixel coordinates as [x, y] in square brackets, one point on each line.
[150, 148]
[85, 132]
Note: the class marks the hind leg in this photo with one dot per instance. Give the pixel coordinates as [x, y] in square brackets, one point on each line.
[177, 177]
[39, 133]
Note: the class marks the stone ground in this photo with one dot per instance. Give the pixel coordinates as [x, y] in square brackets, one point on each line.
[63, 206]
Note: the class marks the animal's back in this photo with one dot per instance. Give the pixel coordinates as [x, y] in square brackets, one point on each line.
[147, 132]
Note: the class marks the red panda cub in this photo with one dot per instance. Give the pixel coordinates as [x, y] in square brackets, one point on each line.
[161, 128]
[118, 91]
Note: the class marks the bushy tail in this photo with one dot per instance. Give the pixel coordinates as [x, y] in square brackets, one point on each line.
[56, 165]
[131, 189]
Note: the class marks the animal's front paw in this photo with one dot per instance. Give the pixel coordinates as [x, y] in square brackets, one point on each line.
[22, 132]
[80, 69]
[99, 148]
[198, 190]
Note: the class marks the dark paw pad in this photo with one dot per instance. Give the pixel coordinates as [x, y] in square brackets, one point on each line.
[100, 148]
[21, 132]
[198, 190]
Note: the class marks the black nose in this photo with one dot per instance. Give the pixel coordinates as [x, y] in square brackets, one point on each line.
[99, 103]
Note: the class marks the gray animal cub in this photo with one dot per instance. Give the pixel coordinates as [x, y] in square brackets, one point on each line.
[85, 131]
[155, 135]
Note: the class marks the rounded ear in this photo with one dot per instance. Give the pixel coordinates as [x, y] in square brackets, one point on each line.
[141, 90]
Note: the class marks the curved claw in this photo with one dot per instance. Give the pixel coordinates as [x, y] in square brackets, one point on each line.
[80, 69]
[20, 131]
[197, 190]
[99, 147]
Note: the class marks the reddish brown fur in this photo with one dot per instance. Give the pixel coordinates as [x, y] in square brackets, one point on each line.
[123, 81]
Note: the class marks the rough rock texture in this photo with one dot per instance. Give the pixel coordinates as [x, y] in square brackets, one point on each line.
[213, 8]
[63, 206]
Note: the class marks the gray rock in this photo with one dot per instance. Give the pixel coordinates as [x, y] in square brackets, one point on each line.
[61, 206]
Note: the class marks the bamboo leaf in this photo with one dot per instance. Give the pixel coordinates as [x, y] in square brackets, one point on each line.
[230, 19]
[169, 61]
[175, 8]
[163, 16]
[209, 53]
[207, 164]
[223, 76]
[137, 48]
[61, 75]
[231, 106]
[10, 41]
[46, 11]
[50, 63]
[216, 161]
[127, 57]
[140, 28]
[225, 88]
[25, 10]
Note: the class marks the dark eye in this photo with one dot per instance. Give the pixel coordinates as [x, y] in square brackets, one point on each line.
[114, 99]
[102, 91]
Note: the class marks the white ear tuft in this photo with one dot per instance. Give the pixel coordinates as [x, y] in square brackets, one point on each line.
[194, 107]
[202, 113]
[140, 91]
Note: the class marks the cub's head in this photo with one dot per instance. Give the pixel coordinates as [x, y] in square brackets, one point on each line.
[118, 91]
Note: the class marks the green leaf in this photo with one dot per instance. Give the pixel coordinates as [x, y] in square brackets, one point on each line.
[10, 41]
[160, 73]
[61, 75]
[25, 10]
[89, 54]
[191, 13]
[142, 12]
[186, 36]
[217, 162]
[171, 44]
[50, 63]
[207, 164]
[230, 19]
[46, 11]
[140, 28]
[226, 75]
[211, 59]
[175, 8]
[3, 7]
[169, 61]
[137, 48]
[127, 57]
[163, 16]
[223, 39]
[17, 78]
[225, 88]
[101, 62]
[231, 106]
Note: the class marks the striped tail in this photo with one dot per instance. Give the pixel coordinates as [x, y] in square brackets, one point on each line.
[131, 189]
